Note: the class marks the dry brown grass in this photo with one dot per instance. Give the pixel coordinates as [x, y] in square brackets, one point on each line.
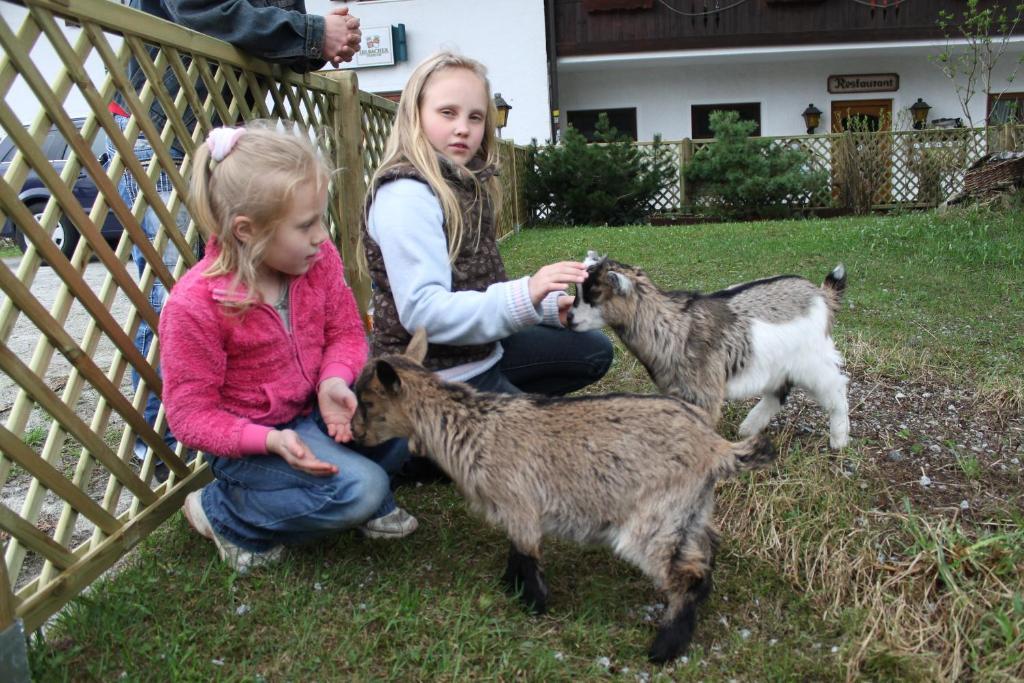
[921, 589]
[1004, 398]
[918, 590]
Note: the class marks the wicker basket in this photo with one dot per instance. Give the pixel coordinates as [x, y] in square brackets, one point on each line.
[994, 171]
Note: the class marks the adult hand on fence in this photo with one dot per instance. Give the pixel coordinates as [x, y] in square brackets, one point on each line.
[287, 444]
[342, 36]
[555, 278]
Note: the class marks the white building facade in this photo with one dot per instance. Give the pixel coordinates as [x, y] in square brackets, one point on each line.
[666, 92]
[508, 36]
[664, 88]
[505, 35]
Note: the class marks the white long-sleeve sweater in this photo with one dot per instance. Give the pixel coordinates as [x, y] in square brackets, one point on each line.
[406, 221]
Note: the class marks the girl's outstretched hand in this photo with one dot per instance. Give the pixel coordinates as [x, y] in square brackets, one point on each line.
[337, 406]
[555, 278]
[287, 444]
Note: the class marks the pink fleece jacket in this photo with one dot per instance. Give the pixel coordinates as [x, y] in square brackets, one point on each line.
[228, 379]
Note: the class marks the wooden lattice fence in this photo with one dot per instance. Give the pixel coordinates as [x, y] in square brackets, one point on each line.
[514, 212]
[74, 498]
[863, 171]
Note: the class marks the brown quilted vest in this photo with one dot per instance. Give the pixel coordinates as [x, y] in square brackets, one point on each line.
[477, 266]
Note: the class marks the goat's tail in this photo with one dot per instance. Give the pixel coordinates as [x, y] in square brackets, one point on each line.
[833, 287]
[750, 454]
[835, 281]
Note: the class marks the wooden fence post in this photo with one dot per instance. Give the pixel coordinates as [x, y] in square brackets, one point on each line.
[13, 648]
[685, 156]
[516, 188]
[348, 122]
[1009, 144]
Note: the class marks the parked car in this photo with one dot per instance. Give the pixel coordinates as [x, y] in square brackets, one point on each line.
[35, 194]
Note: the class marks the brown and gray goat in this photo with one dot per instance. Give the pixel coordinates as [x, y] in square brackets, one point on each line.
[634, 472]
[758, 338]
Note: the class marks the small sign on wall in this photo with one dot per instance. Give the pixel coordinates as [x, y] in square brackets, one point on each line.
[847, 83]
[377, 48]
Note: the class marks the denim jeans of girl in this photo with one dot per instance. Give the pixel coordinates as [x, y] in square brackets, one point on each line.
[260, 501]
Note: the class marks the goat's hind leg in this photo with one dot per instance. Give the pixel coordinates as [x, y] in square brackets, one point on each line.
[829, 389]
[761, 414]
[523, 576]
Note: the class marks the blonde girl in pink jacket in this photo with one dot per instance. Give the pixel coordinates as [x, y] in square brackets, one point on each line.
[260, 341]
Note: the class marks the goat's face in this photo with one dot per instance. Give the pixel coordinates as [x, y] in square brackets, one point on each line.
[607, 297]
[383, 391]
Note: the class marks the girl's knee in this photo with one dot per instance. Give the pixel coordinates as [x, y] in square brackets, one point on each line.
[601, 352]
[361, 491]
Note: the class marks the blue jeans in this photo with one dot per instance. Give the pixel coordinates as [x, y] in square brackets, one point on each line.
[260, 501]
[128, 188]
[551, 361]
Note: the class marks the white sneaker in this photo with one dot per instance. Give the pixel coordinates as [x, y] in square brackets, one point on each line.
[396, 524]
[239, 559]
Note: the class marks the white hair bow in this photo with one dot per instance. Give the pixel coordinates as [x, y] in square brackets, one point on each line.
[222, 140]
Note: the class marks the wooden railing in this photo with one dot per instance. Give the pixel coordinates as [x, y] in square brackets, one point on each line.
[861, 171]
[883, 170]
[73, 499]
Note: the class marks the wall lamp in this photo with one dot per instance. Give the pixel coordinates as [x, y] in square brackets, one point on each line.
[812, 117]
[919, 110]
[503, 108]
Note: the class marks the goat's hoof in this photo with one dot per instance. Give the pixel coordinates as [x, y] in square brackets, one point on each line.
[667, 645]
[839, 444]
[536, 605]
[659, 654]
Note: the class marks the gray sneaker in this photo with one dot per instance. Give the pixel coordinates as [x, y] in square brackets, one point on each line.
[396, 524]
[239, 559]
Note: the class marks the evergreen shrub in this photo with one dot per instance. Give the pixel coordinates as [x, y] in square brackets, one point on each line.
[739, 176]
[614, 182]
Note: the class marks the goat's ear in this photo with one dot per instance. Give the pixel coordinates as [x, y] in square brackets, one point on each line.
[417, 349]
[620, 283]
[388, 377]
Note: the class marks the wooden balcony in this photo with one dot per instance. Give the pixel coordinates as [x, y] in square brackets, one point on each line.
[590, 27]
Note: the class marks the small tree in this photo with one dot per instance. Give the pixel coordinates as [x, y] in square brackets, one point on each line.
[613, 182]
[987, 33]
[741, 176]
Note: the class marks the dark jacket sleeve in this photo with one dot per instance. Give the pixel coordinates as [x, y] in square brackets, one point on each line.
[274, 33]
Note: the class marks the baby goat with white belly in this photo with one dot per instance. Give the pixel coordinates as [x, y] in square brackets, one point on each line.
[758, 338]
[637, 473]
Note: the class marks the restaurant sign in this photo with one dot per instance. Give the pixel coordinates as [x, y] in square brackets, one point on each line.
[377, 49]
[847, 83]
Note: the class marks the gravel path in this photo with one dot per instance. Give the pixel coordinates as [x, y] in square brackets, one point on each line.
[26, 335]
[23, 342]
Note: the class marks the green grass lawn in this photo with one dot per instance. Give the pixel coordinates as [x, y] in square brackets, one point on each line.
[8, 249]
[832, 565]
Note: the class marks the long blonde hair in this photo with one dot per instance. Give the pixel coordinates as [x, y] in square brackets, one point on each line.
[256, 179]
[408, 145]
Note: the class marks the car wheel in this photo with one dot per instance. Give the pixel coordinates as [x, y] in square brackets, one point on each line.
[65, 235]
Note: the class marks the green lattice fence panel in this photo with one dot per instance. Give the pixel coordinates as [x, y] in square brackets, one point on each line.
[74, 497]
